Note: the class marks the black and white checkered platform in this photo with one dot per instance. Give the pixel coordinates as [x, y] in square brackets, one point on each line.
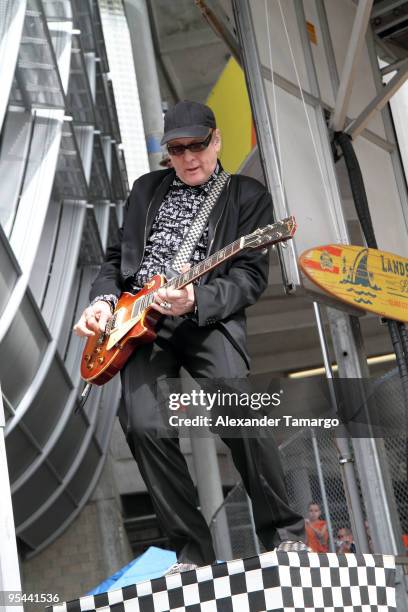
[289, 582]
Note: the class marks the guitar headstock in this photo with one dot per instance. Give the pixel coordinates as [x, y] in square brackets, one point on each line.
[271, 234]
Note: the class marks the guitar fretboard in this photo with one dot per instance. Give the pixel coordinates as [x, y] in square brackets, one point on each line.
[185, 278]
[270, 234]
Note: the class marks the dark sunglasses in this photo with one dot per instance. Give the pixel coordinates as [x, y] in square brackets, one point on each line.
[194, 147]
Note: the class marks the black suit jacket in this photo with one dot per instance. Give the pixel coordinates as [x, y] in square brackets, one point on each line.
[223, 293]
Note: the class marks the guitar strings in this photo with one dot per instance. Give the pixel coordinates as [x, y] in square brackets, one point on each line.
[200, 268]
[225, 253]
[188, 276]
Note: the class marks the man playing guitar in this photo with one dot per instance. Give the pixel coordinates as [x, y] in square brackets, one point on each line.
[203, 330]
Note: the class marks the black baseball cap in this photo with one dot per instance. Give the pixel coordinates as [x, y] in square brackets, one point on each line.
[187, 119]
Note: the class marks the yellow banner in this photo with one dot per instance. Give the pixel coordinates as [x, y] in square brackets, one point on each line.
[230, 103]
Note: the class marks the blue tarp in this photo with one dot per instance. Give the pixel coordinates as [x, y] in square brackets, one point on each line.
[152, 564]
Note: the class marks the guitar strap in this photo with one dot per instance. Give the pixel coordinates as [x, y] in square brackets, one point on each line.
[196, 229]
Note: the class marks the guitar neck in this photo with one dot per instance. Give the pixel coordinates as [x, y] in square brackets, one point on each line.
[270, 234]
[205, 266]
[178, 282]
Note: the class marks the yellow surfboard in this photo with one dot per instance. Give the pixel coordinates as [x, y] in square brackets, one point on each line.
[366, 279]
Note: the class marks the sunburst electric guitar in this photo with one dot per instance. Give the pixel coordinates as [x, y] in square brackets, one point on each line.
[134, 320]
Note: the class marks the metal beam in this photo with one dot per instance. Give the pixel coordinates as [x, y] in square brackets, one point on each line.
[216, 18]
[328, 44]
[349, 69]
[208, 478]
[390, 134]
[358, 125]
[265, 133]
[391, 24]
[294, 90]
[385, 7]
[392, 67]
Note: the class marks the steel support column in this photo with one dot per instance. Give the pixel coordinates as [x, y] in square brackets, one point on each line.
[9, 568]
[348, 472]
[209, 484]
[356, 43]
[265, 135]
[146, 76]
[322, 485]
[370, 454]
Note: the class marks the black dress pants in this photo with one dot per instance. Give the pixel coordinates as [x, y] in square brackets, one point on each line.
[204, 353]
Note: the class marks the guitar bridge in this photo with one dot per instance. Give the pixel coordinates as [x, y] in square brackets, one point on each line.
[101, 338]
[110, 325]
[108, 328]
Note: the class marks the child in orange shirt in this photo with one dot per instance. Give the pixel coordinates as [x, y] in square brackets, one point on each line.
[317, 536]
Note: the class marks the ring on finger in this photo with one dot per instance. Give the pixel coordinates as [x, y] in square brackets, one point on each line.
[165, 305]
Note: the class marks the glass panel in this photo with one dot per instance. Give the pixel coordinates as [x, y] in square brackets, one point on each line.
[21, 352]
[70, 179]
[100, 188]
[36, 63]
[13, 154]
[48, 405]
[35, 492]
[49, 522]
[79, 97]
[43, 260]
[69, 320]
[20, 453]
[8, 274]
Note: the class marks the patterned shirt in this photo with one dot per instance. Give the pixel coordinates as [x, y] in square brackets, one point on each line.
[172, 222]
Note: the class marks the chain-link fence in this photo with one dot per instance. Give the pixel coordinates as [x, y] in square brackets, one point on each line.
[313, 473]
[237, 507]
[390, 406]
